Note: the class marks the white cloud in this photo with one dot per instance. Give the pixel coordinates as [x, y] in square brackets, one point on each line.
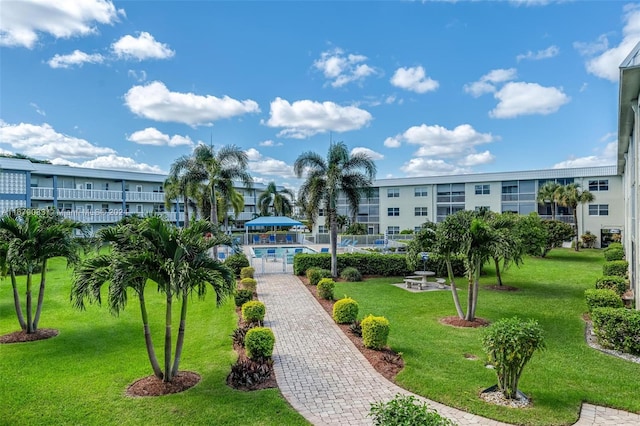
[152, 136]
[253, 154]
[531, 2]
[393, 142]
[44, 142]
[431, 167]
[139, 76]
[414, 79]
[520, 98]
[592, 48]
[77, 58]
[477, 159]
[112, 162]
[38, 109]
[606, 64]
[141, 48]
[154, 101]
[270, 143]
[341, 68]
[371, 153]
[22, 22]
[605, 157]
[487, 83]
[547, 53]
[267, 165]
[306, 118]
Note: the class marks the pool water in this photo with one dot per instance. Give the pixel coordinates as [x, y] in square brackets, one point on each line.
[280, 251]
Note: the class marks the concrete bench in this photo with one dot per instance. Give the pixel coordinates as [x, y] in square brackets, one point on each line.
[412, 282]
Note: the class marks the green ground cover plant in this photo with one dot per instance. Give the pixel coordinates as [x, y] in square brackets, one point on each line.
[80, 376]
[559, 379]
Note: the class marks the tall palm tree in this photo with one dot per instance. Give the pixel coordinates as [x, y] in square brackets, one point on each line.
[30, 239]
[182, 181]
[351, 175]
[570, 196]
[548, 193]
[234, 201]
[176, 259]
[280, 201]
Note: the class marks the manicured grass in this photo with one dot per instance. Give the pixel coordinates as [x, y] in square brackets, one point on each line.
[80, 376]
[558, 379]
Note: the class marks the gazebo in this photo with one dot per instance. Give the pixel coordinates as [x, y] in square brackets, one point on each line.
[273, 221]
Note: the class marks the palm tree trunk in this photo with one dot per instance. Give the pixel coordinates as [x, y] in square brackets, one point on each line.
[334, 243]
[554, 205]
[469, 315]
[167, 339]
[29, 304]
[454, 290]
[16, 301]
[498, 276]
[476, 281]
[180, 339]
[575, 220]
[157, 371]
[214, 217]
[186, 210]
[43, 280]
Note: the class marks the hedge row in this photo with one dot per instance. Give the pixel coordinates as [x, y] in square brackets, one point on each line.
[618, 329]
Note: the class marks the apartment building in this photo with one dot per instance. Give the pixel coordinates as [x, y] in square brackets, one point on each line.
[406, 203]
[93, 196]
[629, 161]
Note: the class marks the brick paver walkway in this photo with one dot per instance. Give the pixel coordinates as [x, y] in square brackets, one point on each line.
[326, 378]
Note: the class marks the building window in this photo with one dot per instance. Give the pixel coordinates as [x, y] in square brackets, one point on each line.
[139, 208]
[88, 185]
[421, 211]
[599, 185]
[417, 229]
[393, 230]
[483, 208]
[393, 192]
[598, 209]
[393, 211]
[420, 191]
[105, 186]
[320, 212]
[451, 193]
[483, 190]
[322, 229]
[105, 207]
[139, 188]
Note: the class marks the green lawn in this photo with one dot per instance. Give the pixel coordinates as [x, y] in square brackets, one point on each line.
[558, 379]
[80, 376]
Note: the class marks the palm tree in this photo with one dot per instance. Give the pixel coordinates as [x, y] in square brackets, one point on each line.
[280, 201]
[30, 239]
[351, 175]
[234, 201]
[570, 196]
[548, 194]
[176, 259]
[182, 181]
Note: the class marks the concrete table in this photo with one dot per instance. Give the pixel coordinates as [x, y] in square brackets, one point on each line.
[424, 275]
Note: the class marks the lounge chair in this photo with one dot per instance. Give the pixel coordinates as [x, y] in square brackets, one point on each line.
[289, 239]
[344, 243]
[298, 250]
[271, 254]
[256, 239]
[272, 238]
[324, 250]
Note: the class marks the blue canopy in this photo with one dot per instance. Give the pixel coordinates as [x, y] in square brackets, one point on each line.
[272, 221]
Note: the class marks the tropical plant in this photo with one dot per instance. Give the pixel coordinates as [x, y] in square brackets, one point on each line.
[424, 241]
[549, 193]
[181, 182]
[511, 249]
[176, 259]
[349, 175]
[557, 233]
[280, 201]
[29, 239]
[570, 196]
[406, 410]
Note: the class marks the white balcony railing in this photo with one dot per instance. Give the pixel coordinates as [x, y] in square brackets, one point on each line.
[42, 193]
[154, 197]
[96, 195]
[111, 216]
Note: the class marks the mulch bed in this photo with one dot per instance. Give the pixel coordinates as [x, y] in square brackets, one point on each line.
[457, 322]
[152, 386]
[21, 336]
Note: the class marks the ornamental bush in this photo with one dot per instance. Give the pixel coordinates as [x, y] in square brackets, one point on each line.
[614, 254]
[375, 331]
[316, 274]
[325, 288]
[247, 272]
[602, 298]
[406, 410]
[243, 296]
[258, 343]
[236, 262]
[614, 246]
[253, 312]
[345, 311]
[612, 282]
[510, 343]
[616, 267]
[617, 329]
[351, 274]
[249, 284]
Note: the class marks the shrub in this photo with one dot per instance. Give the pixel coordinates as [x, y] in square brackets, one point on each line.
[510, 344]
[588, 239]
[242, 297]
[236, 262]
[614, 246]
[325, 288]
[612, 282]
[615, 267]
[249, 284]
[239, 334]
[247, 272]
[246, 373]
[602, 298]
[375, 331]
[618, 329]
[406, 410]
[258, 343]
[315, 275]
[614, 254]
[253, 312]
[345, 311]
[351, 274]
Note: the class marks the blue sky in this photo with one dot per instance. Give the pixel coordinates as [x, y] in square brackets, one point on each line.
[426, 88]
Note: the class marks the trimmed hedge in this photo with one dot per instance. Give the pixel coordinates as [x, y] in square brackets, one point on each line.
[618, 329]
[351, 274]
[253, 311]
[612, 282]
[243, 296]
[602, 298]
[406, 410]
[258, 343]
[375, 332]
[249, 284]
[314, 275]
[247, 272]
[325, 288]
[614, 254]
[614, 246]
[236, 262]
[345, 311]
[616, 267]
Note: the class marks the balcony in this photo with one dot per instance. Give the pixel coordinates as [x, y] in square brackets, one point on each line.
[152, 197]
[111, 216]
[562, 218]
[42, 193]
[76, 194]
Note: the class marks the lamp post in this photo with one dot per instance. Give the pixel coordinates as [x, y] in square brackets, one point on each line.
[425, 256]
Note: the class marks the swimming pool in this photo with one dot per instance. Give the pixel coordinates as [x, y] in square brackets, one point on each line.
[280, 251]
